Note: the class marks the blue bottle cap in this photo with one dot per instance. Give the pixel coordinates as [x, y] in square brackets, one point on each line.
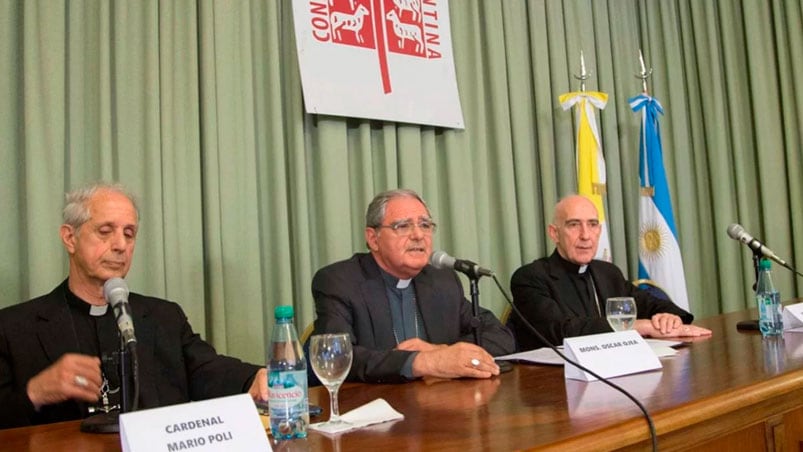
[283, 312]
[764, 264]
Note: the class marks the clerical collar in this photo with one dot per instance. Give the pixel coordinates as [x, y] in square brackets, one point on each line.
[394, 282]
[78, 303]
[569, 267]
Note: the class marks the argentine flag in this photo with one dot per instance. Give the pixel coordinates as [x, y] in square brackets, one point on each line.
[659, 252]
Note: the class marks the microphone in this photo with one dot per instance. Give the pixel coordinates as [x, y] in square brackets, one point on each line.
[440, 259]
[737, 232]
[115, 291]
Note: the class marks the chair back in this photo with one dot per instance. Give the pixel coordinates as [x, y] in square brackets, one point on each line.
[506, 320]
[307, 333]
[653, 288]
[505, 317]
[312, 379]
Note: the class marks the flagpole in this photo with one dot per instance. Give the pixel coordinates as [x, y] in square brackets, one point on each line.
[647, 188]
[659, 249]
[591, 179]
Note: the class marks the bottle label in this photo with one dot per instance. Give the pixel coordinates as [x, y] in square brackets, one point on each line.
[770, 313]
[285, 388]
[287, 399]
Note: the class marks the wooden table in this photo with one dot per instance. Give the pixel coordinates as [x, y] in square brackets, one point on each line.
[733, 391]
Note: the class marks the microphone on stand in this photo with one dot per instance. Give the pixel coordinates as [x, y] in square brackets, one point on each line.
[737, 232]
[440, 259]
[115, 291]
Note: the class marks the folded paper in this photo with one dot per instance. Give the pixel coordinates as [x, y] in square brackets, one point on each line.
[608, 355]
[545, 355]
[374, 412]
[793, 318]
[221, 424]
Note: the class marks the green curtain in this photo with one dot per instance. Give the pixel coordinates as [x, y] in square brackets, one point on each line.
[197, 107]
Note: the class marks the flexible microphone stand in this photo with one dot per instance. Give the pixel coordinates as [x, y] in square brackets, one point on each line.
[475, 309]
[476, 323]
[752, 325]
[109, 422]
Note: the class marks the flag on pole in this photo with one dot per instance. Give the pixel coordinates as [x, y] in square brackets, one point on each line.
[590, 161]
[659, 251]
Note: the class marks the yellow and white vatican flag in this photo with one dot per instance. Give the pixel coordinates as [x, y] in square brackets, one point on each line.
[590, 161]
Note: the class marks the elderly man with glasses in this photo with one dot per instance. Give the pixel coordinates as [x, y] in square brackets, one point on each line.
[406, 319]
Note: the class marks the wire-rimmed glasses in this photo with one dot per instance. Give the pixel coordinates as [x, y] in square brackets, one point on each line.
[404, 228]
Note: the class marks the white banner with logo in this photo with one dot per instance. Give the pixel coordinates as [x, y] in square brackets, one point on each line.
[379, 59]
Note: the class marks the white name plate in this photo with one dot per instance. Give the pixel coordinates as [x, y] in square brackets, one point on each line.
[793, 317]
[609, 355]
[222, 424]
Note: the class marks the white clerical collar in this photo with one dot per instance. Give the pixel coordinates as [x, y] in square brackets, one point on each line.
[403, 283]
[582, 269]
[98, 311]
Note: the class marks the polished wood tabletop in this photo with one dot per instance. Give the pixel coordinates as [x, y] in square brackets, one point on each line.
[534, 406]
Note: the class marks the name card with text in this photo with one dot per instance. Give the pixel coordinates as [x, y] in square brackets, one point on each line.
[609, 355]
[222, 424]
[793, 318]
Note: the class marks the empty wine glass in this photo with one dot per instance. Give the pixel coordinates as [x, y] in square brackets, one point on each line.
[330, 356]
[621, 313]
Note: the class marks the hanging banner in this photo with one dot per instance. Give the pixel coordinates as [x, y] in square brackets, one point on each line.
[378, 59]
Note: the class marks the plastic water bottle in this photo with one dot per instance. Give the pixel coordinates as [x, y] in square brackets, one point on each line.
[774, 350]
[288, 401]
[770, 319]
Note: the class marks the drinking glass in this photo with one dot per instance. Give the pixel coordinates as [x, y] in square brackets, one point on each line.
[621, 313]
[330, 356]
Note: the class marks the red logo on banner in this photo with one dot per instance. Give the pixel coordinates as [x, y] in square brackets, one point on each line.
[406, 27]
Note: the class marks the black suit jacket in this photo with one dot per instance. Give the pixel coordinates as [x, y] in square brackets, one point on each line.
[175, 364]
[548, 299]
[350, 297]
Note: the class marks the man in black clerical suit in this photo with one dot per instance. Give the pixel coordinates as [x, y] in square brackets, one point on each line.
[406, 318]
[564, 295]
[57, 352]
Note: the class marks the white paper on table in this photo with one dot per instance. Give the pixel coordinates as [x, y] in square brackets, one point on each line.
[374, 412]
[546, 355]
[543, 355]
[793, 318]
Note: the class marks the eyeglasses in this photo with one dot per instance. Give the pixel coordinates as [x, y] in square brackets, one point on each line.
[404, 228]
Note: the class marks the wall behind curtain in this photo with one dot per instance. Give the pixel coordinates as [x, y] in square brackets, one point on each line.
[197, 107]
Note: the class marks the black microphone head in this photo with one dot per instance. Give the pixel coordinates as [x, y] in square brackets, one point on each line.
[115, 291]
[735, 231]
[439, 259]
